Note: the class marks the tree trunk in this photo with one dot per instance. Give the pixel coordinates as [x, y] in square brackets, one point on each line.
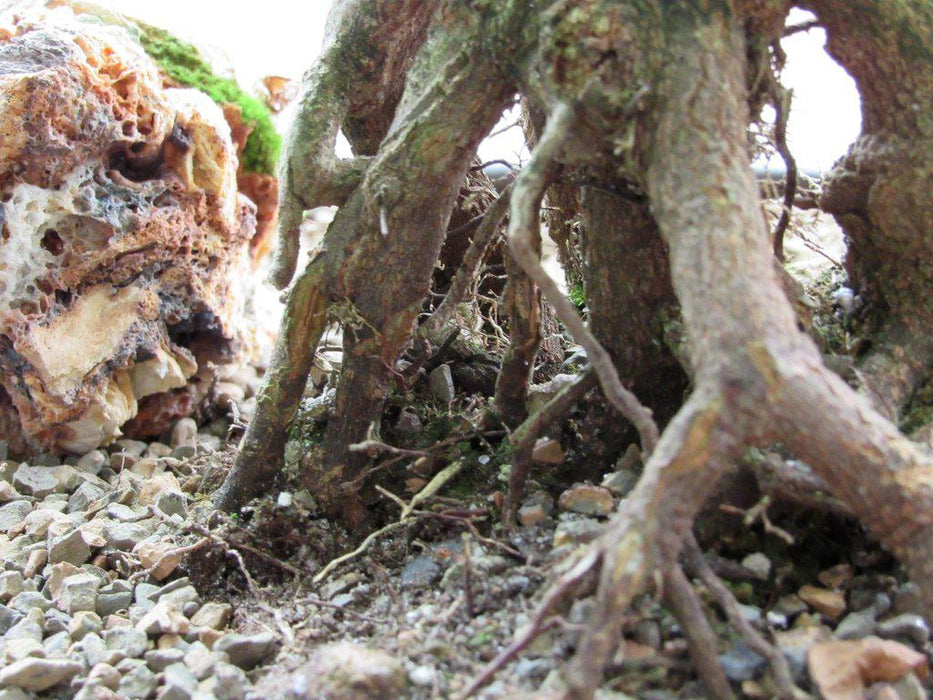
[410, 189]
[881, 192]
[629, 293]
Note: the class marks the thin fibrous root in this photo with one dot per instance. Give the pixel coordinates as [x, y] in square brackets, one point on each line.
[780, 99]
[472, 259]
[683, 601]
[568, 585]
[522, 234]
[524, 437]
[696, 563]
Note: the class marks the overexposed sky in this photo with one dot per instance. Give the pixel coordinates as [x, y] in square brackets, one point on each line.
[282, 37]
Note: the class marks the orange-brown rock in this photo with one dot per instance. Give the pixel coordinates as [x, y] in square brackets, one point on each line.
[124, 251]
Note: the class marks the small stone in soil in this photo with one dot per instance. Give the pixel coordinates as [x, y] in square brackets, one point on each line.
[826, 602]
[35, 674]
[547, 451]
[908, 627]
[587, 500]
[741, 663]
[246, 651]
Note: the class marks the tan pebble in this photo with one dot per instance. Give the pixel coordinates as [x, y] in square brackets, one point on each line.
[830, 603]
[532, 515]
[836, 577]
[35, 562]
[587, 499]
[547, 451]
[208, 636]
[161, 557]
[145, 467]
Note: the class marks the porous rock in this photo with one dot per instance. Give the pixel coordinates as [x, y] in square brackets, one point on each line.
[125, 246]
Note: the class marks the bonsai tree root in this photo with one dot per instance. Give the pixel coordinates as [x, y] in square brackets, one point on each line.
[758, 378]
[662, 105]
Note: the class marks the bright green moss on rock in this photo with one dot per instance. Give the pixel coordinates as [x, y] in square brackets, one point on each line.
[183, 63]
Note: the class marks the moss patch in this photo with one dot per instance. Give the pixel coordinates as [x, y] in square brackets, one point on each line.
[184, 64]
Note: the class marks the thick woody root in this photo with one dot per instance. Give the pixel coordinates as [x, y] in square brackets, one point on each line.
[263, 446]
[524, 242]
[758, 378]
[763, 379]
[338, 85]
[524, 311]
[373, 267]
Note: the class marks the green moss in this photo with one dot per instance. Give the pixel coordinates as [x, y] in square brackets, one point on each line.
[578, 296]
[182, 63]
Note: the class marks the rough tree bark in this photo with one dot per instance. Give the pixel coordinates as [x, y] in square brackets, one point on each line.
[628, 292]
[376, 260]
[656, 94]
[880, 191]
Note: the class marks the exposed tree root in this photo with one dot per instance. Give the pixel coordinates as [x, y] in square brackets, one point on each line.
[757, 377]
[523, 237]
[523, 307]
[794, 482]
[378, 281]
[781, 99]
[899, 361]
[683, 601]
[355, 64]
[523, 438]
[466, 274]
[697, 565]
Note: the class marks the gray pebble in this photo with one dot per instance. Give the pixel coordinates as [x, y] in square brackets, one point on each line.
[92, 462]
[84, 496]
[35, 481]
[179, 683]
[71, 548]
[56, 645]
[227, 683]
[742, 664]
[125, 536]
[77, 593]
[129, 640]
[246, 651]
[7, 618]
[29, 600]
[855, 625]
[441, 384]
[184, 433]
[11, 584]
[13, 513]
[35, 674]
[83, 623]
[172, 503]
[420, 572]
[202, 661]
[140, 682]
[55, 621]
[159, 659]
[907, 627]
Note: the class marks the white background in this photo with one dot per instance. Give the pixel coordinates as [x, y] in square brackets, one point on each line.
[282, 37]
